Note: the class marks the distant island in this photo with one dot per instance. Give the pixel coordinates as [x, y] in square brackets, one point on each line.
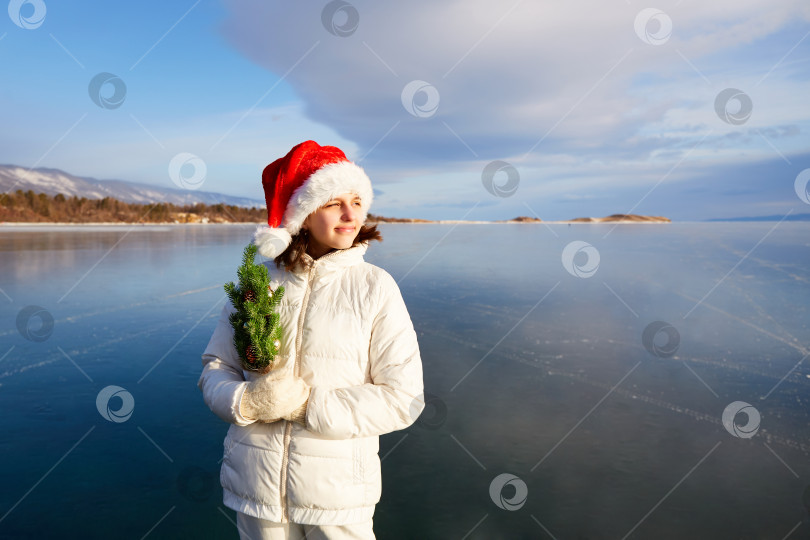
[613, 218]
[29, 207]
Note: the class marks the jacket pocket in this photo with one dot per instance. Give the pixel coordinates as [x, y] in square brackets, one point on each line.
[358, 461]
[371, 469]
[251, 472]
[322, 482]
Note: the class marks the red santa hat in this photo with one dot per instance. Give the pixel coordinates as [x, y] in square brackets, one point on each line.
[309, 176]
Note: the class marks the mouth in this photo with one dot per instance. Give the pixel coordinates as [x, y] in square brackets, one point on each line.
[345, 229]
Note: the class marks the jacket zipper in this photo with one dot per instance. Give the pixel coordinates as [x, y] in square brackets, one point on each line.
[288, 428]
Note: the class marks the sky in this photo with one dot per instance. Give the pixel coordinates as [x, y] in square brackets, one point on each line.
[467, 109]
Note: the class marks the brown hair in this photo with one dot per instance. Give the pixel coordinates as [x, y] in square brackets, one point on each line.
[294, 254]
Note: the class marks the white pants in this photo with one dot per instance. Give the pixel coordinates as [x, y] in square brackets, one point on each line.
[253, 528]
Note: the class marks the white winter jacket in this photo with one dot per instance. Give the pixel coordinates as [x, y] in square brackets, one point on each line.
[347, 333]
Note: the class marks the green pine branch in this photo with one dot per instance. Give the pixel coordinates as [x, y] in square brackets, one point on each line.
[256, 328]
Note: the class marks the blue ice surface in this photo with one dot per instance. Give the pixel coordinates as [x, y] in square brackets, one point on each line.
[530, 369]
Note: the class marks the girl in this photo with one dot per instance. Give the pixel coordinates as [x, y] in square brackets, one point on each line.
[301, 456]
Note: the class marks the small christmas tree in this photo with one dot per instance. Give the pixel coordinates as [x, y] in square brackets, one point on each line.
[256, 329]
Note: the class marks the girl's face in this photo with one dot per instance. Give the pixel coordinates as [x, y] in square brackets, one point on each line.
[334, 225]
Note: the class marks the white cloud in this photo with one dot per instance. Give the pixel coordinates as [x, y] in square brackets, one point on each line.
[605, 115]
[511, 75]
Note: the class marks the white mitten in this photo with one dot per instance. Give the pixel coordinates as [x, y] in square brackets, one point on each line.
[274, 396]
[300, 414]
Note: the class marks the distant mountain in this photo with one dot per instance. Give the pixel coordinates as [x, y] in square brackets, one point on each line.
[793, 217]
[53, 181]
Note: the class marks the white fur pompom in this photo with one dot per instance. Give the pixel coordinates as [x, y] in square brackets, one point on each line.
[271, 241]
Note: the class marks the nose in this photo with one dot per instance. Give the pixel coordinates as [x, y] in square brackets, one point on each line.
[349, 213]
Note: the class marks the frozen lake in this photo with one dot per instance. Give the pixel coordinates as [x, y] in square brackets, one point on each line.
[537, 366]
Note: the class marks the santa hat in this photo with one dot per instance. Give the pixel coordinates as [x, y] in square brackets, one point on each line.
[308, 177]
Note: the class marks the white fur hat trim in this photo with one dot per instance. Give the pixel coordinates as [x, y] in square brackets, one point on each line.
[271, 241]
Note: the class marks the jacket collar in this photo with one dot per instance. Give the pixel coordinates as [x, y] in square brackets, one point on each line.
[335, 260]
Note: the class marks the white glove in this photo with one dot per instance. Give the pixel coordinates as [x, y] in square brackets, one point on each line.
[274, 396]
